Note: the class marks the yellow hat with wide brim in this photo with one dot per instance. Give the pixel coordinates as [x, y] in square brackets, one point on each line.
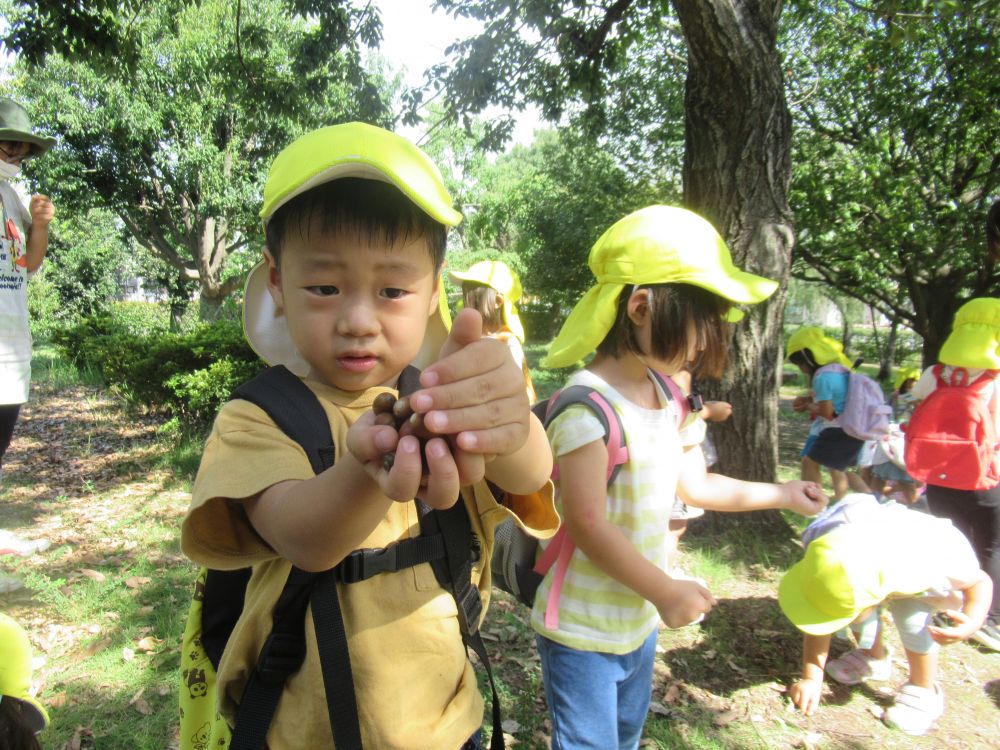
[497, 275]
[15, 672]
[974, 341]
[824, 349]
[655, 245]
[350, 150]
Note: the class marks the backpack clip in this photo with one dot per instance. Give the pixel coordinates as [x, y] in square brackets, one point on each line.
[280, 657]
[362, 564]
[470, 607]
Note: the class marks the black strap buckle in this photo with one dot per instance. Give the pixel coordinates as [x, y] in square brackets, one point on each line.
[362, 564]
[470, 607]
[281, 657]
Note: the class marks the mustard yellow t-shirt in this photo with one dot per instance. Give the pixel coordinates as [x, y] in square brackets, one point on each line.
[415, 686]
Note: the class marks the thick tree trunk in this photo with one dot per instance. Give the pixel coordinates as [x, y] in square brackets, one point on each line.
[737, 169]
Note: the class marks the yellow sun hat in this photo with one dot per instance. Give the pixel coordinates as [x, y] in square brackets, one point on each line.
[974, 341]
[654, 245]
[497, 275]
[904, 374]
[824, 349]
[857, 565]
[15, 673]
[352, 149]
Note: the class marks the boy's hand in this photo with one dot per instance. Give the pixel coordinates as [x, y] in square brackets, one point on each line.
[801, 403]
[474, 392]
[805, 695]
[684, 603]
[804, 498]
[961, 629]
[369, 442]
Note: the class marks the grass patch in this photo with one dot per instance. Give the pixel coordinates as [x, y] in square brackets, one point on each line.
[50, 368]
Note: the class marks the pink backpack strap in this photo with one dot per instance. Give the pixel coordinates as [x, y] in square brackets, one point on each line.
[560, 548]
[674, 394]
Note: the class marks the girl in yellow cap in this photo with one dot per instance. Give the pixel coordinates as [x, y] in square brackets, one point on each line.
[827, 445]
[492, 288]
[664, 285]
[972, 346]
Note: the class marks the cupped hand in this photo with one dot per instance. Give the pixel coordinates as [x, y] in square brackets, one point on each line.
[41, 209]
[961, 630]
[805, 695]
[683, 603]
[805, 498]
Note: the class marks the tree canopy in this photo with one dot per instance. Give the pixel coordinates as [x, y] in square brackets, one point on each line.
[897, 156]
[177, 142]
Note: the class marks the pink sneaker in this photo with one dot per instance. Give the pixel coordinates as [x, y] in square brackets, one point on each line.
[857, 666]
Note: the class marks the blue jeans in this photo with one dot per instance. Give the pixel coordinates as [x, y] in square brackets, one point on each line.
[597, 701]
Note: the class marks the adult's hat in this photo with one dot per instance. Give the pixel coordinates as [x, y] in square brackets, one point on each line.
[654, 245]
[974, 341]
[15, 672]
[16, 126]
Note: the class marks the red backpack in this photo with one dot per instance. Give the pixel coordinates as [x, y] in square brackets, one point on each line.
[951, 439]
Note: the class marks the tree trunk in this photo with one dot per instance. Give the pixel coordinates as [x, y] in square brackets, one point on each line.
[889, 352]
[737, 168]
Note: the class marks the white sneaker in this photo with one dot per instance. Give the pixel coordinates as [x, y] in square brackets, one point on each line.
[12, 544]
[915, 709]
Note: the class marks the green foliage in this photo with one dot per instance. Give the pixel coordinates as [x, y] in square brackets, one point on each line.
[896, 158]
[184, 375]
[177, 142]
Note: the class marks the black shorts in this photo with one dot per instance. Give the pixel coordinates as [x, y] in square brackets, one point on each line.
[835, 449]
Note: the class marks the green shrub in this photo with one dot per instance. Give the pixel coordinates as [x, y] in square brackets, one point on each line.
[182, 375]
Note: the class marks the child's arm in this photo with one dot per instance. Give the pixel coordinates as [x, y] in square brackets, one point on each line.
[583, 489]
[822, 409]
[718, 492]
[978, 594]
[314, 523]
[42, 212]
[805, 693]
[716, 411]
[476, 393]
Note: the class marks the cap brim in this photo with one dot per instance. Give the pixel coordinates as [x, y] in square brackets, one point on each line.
[736, 286]
[266, 328]
[971, 346]
[797, 608]
[40, 144]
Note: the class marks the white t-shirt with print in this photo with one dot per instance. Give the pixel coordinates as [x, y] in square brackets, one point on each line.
[15, 333]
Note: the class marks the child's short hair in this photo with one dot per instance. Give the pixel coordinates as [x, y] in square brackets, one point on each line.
[483, 298]
[354, 204]
[672, 307]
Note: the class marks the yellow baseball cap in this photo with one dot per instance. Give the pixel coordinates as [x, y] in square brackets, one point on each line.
[352, 149]
[974, 341]
[15, 673]
[904, 374]
[655, 245]
[824, 349]
[497, 275]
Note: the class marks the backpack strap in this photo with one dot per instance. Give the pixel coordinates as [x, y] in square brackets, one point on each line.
[559, 550]
[296, 410]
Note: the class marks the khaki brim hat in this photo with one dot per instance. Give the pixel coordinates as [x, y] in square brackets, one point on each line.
[655, 245]
[15, 126]
[350, 150]
[15, 673]
[974, 341]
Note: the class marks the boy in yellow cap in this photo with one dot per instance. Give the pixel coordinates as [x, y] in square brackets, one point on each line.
[665, 285]
[851, 569]
[348, 296]
[971, 355]
[827, 445]
[21, 715]
[493, 289]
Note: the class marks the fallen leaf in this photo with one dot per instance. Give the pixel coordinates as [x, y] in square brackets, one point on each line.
[94, 575]
[658, 708]
[671, 694]
[511, 726]
[95, 647]
[144, 611]
[726, 717]
[142, 707]
[128, 654]
[135, 582]
[57, 700]
[148, 644]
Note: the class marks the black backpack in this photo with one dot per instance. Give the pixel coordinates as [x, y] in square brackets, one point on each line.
[446, 542]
